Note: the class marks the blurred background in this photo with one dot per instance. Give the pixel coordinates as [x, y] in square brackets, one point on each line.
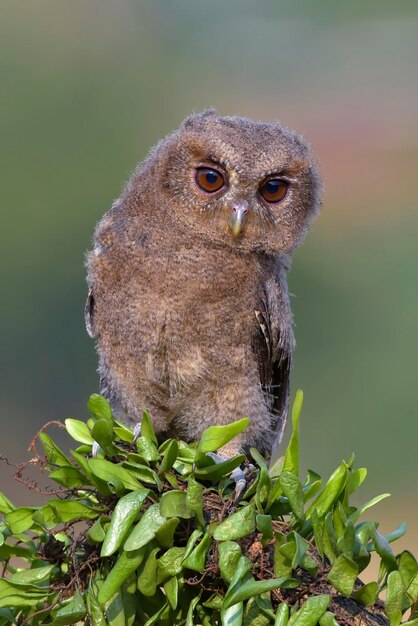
[87, 87]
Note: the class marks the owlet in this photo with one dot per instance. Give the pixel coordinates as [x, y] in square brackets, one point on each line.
[187, 279]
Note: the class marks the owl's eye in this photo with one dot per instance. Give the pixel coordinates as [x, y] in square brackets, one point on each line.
[274, 190]
[209, 179]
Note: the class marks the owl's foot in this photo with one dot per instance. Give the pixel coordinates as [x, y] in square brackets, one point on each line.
[95, 449]
[137, 431]
[237, 475]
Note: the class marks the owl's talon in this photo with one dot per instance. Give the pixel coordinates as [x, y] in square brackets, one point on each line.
[95, 449]
[137, 431]
[238, 476]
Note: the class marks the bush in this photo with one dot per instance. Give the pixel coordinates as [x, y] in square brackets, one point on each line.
[146, 533]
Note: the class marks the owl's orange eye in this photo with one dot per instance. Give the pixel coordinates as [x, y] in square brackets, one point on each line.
[209, 179]
[274, 190]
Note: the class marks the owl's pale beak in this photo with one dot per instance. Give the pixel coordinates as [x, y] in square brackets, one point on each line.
[238, 219]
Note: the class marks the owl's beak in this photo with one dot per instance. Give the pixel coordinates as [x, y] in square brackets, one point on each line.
[238, 219]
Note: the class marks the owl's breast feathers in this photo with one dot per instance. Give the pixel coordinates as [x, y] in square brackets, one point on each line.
[177, 314]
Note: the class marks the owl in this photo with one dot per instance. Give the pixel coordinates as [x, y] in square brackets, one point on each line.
[188, 299]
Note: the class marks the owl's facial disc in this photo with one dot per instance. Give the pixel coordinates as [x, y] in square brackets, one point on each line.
[238, 219]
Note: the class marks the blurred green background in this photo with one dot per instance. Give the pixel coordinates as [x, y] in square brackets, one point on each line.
[87, 87]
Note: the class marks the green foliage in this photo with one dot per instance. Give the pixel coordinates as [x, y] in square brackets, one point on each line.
[146, 533]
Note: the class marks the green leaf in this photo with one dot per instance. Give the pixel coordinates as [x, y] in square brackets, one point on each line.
[197, 558]
[32, 576]
[383, 549]
[69, 510]
[169, 457]
[317, 526]
[54, 455]
[144, 473]
[146, 528]
[293, 492]
[257, 611]
[192, 541]
[363, 531]
[328, 619]
[102, 432]
[397, 533]
[215, 437]
[312, 486]
[360, 554]
[241, 572]
[283, 562]
[8, 550]
[72, 612]
[359, 512]
[147, 428]
[115, 611]
[328, 538]
[194, 500]
[282, 615]
[113, 474]
[343, 575]
[407, 566]
[310, 565]
[265, 526]
[170, 563]
[192, 606]
[276, 467]
[123, 517]
[348, 539]
[339, 519]
[162, 611]
[5, 505]
[15, 595]
[214, 602]
[250, 588]
[367, 594]
[311, 612]
[291, 457]
[126, 564]
[79, 431]
[99, 407]
[174, 504]
[216, 471]
[412, 589]
[97, 532]
[123, 433]
[165, 533]
[262, 489]
[356, 479]
[19, 520]
[394, 598]
[147, 580]
[68, 476]
[330, 493]
[258, 458]
[229, 555]
[147, 449]
[237, 525]
[171, 589]
[302, 547]
[233, 616]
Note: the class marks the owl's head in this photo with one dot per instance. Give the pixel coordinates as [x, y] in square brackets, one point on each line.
[252, 186]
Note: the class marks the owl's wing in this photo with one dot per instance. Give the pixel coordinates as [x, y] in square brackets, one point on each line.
[274, 346]
[89, 314]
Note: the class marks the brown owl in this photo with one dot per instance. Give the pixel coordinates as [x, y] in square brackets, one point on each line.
[188, 296]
